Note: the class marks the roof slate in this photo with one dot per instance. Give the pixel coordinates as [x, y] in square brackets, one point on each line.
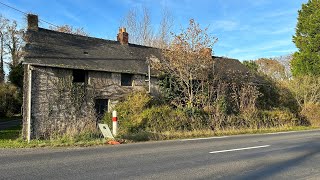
[50, 48]
[56, 49]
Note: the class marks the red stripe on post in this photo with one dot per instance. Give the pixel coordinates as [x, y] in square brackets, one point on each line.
[114, 118]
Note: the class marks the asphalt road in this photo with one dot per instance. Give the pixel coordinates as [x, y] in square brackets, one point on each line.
[10, 123]
[294, 155]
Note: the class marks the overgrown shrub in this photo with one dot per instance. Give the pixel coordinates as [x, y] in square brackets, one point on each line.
[278, 117]
[312, 113]
[164, 118]
[136, 113]
[10, 100]
[234, 106]
[129, 110]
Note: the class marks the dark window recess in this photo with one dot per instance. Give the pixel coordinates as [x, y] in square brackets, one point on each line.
[126, 79]
[101, 106]
[79, 75]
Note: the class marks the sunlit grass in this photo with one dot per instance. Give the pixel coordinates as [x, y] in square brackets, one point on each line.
[11, 138]
[168, 135]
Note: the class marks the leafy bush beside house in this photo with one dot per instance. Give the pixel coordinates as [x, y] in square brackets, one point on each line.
[138, 114]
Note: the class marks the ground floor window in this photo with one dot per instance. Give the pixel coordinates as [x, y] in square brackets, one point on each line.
[101, 106]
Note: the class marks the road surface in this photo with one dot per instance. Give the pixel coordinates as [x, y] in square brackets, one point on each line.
[294, 155]
[10, 123]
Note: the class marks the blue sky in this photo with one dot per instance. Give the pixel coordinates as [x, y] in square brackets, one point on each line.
[247, 29]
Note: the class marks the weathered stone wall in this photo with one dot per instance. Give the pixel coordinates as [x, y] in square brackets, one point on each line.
[25, 100]
[60, 106]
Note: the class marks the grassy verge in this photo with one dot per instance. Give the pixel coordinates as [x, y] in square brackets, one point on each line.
[147, 136]
[11, 138]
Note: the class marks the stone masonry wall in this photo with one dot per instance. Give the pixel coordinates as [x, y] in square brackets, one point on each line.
[60, 106]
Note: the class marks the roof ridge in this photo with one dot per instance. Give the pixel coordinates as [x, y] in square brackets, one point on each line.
[94, 38]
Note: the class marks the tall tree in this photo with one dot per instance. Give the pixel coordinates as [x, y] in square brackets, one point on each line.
[307, 39]
[14, 42]
[139, 26]
[69, 29]
[3, 24]
[163, 37]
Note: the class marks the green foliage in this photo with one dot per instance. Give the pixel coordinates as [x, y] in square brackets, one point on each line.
[287, 98]
[11, 133]
[135, 114]
[11, 138]
[171, 91]
[278, 117]
[164, 118]
[16, 75]
[129, 111]
[307, 39]
[270, 94]
[251, 65]
[10, 100]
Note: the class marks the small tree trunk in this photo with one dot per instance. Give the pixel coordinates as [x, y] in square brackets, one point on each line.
[1, 59]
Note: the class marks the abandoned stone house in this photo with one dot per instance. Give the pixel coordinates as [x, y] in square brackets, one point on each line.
[71, 80]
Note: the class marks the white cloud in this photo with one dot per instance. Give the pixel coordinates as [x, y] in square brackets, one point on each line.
[225, 25]
[252, 52]
[275, 14]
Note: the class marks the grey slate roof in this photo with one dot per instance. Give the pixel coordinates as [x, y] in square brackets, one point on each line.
[55, 49]
[232, 70]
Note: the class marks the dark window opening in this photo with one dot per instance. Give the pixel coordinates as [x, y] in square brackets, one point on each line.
[101, 106]
[79, 76]
[126, 79]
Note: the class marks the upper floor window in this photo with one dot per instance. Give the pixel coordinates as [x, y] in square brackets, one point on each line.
[126, 79]
[79, 76]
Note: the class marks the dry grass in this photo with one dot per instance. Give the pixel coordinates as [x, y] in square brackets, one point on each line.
[168, 135]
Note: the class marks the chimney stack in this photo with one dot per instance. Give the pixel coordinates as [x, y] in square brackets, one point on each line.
[32, 22]
[123, 36]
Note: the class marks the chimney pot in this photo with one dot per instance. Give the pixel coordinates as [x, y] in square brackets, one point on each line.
[33, 22]
[123, 36]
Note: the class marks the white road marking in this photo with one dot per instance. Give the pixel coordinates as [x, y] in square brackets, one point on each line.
[241, 135]
[195, 139]
[239, 149]
[284, 132]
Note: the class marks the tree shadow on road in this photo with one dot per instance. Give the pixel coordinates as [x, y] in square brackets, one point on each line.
[277, 168]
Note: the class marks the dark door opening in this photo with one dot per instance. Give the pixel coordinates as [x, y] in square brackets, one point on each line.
[101, 106]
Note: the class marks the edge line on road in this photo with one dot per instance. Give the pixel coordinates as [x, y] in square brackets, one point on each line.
[195, 139]
[239, 149]
[243, 135]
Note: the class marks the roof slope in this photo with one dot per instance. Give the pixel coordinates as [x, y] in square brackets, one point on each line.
[233, 71]
[50, 48]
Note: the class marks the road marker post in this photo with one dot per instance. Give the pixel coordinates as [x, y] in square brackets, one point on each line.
[114, 123]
